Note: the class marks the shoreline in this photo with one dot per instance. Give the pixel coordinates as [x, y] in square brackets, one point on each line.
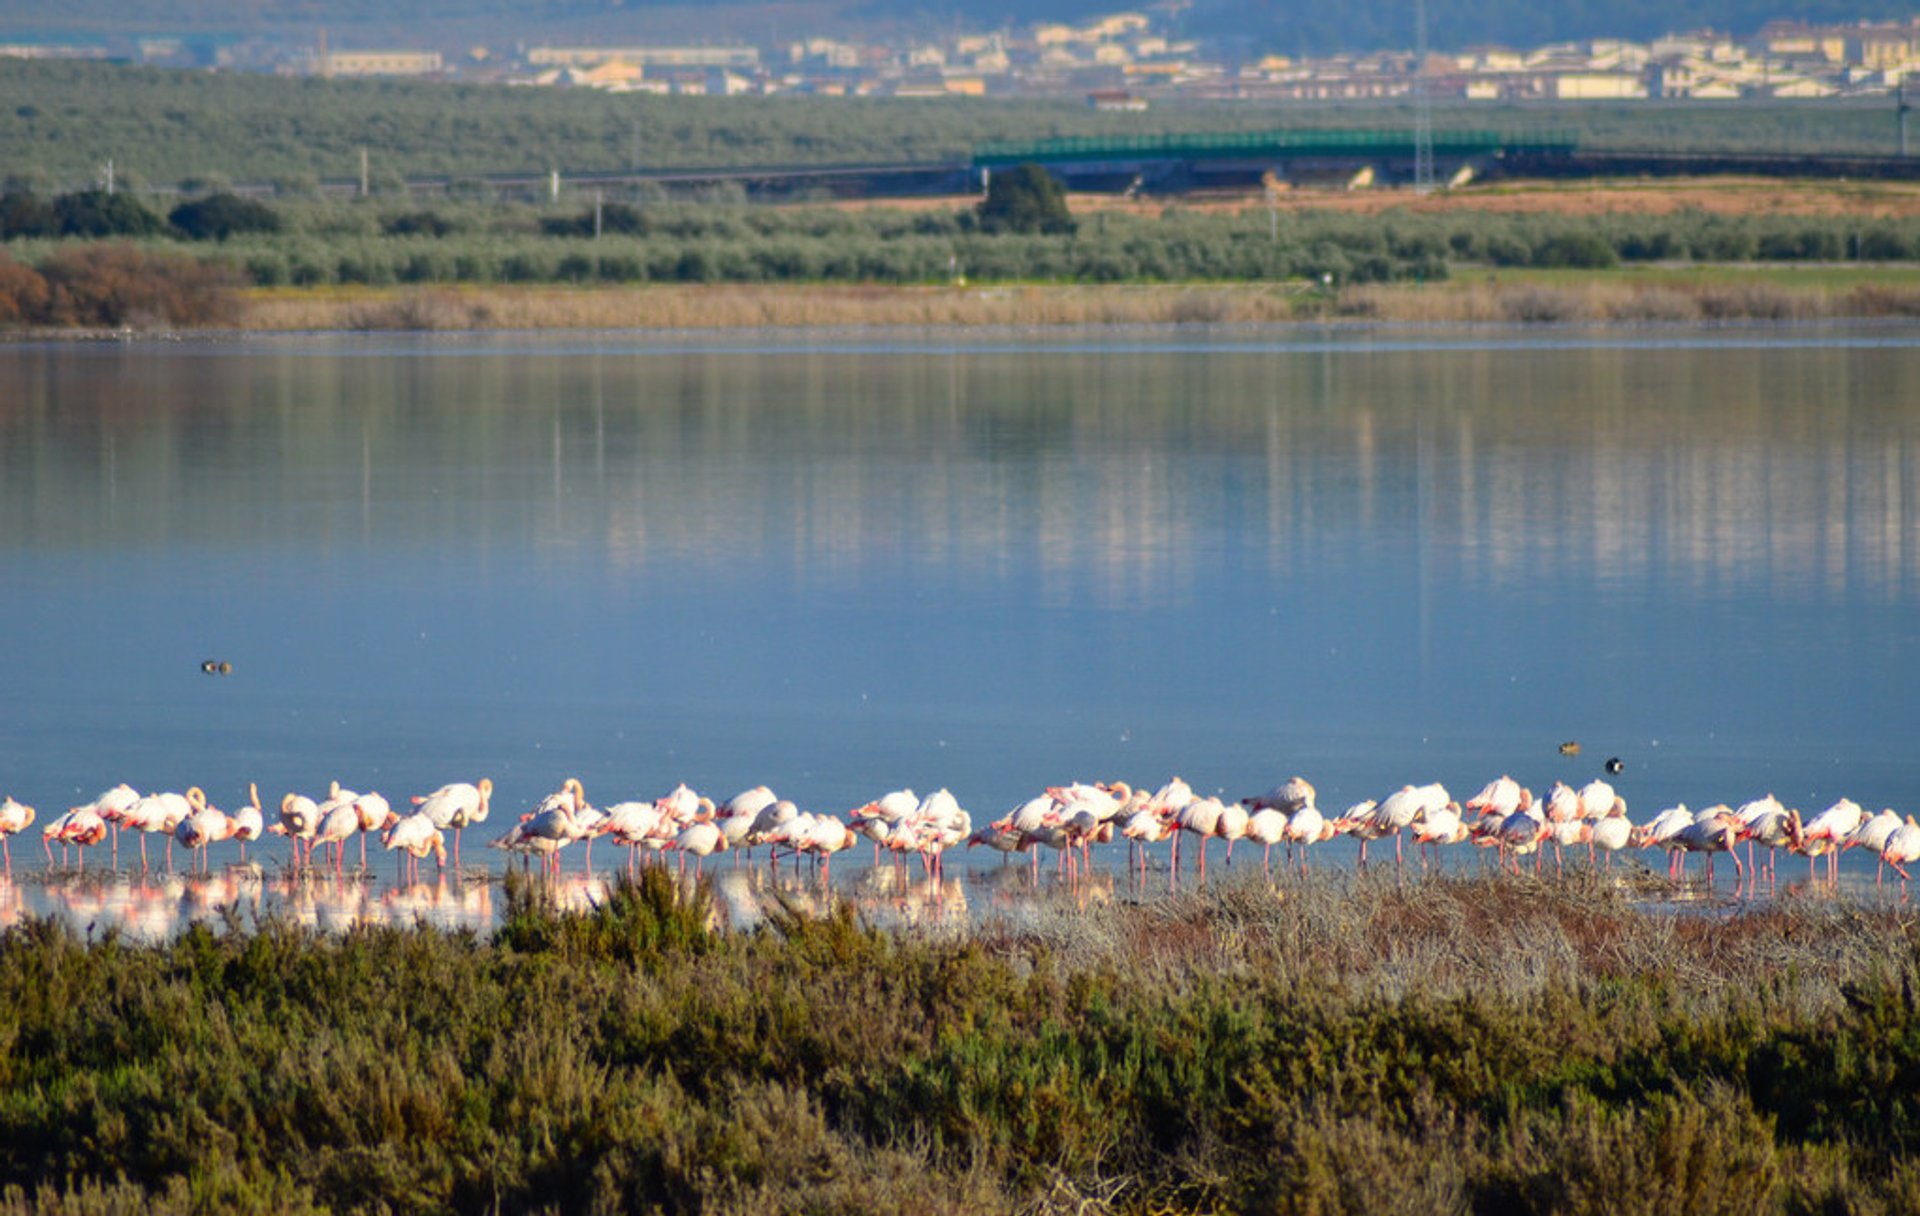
[1653, 295]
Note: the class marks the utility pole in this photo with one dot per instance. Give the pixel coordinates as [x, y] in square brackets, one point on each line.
[1422, 105]
[599, 199]
[1900, 108]
[109, 177]
[363, 173]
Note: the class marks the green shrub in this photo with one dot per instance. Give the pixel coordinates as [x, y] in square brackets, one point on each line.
[219, 216]
[95, 213]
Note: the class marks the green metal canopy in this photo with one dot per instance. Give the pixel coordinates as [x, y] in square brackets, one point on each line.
[1257, 145]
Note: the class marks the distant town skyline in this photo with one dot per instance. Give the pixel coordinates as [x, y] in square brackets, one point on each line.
[1122, 60]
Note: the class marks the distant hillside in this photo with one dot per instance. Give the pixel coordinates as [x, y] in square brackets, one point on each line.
[1242, 26]
[59, 122]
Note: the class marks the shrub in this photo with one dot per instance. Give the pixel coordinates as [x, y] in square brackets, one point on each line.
[95, 213]
[23, 214]
[119, 285]
[23, 293]
[417, 223]
[219, 216]
[1581, 250]
[1025, 198]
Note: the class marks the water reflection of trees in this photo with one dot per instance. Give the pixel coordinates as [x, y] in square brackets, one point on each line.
[1111, 475]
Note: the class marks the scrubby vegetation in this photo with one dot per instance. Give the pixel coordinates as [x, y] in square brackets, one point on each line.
[292, 243]
[1341, 1044]
[59, 121]
[115, 285]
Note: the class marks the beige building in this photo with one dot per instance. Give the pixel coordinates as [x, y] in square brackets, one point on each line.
[736, 57]
[380, 63]
[1595, 86]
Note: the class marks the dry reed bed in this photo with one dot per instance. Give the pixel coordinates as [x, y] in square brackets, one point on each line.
[819, 306]
[1340, 1043]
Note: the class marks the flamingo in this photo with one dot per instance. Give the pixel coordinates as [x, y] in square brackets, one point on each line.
[552, 826]
[1232, 826]
[248, 821]
[1364, 823]
[1519, 834]
[1502, 797]
[1267, 827]
[1308, 826]
[82, 827]
[1145, 827]
[1832, 827]
[416, 835]
[1872, 835]
[1902, 846]
[1612, 831]
[1714, 830]
[1660, 831]
[206, 826]
[299, 820]
[1442, 826]
[827, 837]
[456, 806]
[14, 817]
[633, 824]
[700, 839]
[159, 813]
[1401, 808]
[1202, 818]
[1000, 840]
[334, 829]
[1287, 797]
[110, 805]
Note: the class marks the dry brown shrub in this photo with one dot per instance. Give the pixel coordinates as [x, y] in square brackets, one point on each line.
[1875, 300]
[1755, 302]
[416, 310]
[23, 293]
[1653, 304]
[1542, 305]
[120, 285]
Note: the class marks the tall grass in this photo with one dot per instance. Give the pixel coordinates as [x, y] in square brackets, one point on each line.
[1602, 299]
[1346, 1044]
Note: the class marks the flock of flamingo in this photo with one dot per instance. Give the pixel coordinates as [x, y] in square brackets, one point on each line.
[1504, 817]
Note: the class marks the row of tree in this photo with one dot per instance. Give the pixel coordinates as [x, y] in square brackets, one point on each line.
[60, 120]
[100, 213]
[1021, 231]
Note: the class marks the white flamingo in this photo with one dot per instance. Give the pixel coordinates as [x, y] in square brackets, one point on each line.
[14, 817]
[457, 806]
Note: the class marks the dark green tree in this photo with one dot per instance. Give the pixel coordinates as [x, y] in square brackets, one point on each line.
[417, 223]
[23, 213]
[219, 216]
[1025, 198]
[97, 213]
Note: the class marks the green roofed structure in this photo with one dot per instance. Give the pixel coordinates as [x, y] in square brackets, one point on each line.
[1238, 158]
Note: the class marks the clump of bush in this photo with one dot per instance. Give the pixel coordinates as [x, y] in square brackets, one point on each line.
[219, 216]
[1448, 1044]
[115, 285]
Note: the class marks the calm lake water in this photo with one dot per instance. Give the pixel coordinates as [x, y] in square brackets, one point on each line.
[839, 564]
